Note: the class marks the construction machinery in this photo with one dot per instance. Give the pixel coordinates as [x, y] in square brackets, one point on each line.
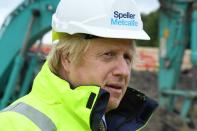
[21, 29]
[178, 31]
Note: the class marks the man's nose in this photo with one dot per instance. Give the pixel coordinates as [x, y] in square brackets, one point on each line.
[121, 68]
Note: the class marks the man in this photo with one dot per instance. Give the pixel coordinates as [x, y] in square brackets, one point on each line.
[83, 84]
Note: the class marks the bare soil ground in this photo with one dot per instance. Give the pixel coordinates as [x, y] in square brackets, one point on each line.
[162, 120]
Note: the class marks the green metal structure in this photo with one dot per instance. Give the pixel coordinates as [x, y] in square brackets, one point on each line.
[178, 29]
[26, 24]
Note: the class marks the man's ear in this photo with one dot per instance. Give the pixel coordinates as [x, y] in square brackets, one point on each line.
[65, 62]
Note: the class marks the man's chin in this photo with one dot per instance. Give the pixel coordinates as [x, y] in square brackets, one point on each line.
[113, 104]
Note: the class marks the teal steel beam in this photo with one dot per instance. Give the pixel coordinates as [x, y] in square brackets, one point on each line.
[194, 34]
[12, 81]
[173, 27]
[28, 76]
[17, 36]
[185, 108]
[18, 64]
[178, 26]
[12, 33]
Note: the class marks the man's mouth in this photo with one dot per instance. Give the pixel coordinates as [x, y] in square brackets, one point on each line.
[115, 90]
[114, 86]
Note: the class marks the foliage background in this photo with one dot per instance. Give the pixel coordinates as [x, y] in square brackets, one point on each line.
[151, 26]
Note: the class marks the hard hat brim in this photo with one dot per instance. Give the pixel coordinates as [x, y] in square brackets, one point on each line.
[74, 28]
[122, 34]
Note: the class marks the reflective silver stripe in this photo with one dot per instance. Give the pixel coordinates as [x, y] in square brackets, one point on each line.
[37, 117]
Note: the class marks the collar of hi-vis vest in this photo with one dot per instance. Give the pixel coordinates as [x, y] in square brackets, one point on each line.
[88, 101]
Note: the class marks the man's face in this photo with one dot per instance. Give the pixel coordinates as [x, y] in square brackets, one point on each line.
[106, 63]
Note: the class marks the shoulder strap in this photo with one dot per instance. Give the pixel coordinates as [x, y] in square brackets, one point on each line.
[37, 117]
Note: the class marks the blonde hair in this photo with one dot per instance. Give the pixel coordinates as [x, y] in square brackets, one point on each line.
[72, 46]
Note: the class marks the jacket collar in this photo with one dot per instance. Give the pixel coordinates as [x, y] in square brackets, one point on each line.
[57, 89]
[81, 102]
[134, 111]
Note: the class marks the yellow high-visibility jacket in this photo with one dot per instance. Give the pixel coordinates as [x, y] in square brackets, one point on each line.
[54, 105]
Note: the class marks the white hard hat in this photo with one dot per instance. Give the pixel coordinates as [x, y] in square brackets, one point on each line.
[103, 18]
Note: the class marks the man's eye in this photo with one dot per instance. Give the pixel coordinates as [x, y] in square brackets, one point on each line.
[128, 58]
[108, 55]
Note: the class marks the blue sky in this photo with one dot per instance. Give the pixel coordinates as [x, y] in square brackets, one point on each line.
[6, 6]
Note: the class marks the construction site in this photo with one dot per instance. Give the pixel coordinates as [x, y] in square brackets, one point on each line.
[167, 73]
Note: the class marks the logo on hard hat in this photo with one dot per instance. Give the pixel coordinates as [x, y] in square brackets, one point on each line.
[124, 19]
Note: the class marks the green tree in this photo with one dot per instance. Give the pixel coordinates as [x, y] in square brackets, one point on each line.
[151, 26]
